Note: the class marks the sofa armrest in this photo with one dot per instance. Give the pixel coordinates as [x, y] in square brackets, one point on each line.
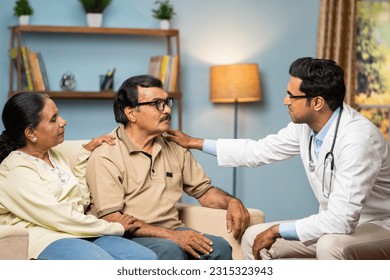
[213, 221]
[13, 243]
[71, 149]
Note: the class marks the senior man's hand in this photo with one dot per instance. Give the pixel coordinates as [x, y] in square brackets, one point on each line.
[192, 242]
[237, 218]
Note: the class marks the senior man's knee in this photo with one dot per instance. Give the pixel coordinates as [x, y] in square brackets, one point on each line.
[171, 251]
[221, 249]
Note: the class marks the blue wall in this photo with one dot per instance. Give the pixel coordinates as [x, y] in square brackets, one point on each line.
[270, 33]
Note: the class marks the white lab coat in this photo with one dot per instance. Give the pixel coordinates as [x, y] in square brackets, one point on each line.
[361, 181]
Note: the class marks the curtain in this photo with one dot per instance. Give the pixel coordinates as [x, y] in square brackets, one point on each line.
[336, 39]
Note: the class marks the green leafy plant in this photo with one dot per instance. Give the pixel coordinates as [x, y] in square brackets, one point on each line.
[22, 7]
[95, 6]
[164, 10]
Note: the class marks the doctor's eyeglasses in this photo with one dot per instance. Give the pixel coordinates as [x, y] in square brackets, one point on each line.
[291, 96]
[159, 103]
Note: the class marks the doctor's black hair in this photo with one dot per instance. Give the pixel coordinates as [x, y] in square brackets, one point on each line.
[320, 77]
[127, 94]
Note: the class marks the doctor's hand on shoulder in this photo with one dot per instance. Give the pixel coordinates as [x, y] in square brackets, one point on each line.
[184, 140]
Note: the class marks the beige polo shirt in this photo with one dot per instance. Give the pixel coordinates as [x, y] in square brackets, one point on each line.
[123, 178]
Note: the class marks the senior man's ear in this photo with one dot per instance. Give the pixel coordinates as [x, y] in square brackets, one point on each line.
[129, 112]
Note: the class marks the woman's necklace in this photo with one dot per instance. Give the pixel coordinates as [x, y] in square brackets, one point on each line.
[62, 174]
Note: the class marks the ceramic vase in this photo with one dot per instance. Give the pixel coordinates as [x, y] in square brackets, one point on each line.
[164, 24]
[24, 20]
[94, 19]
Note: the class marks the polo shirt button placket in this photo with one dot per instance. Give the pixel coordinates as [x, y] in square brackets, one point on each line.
[152, 173]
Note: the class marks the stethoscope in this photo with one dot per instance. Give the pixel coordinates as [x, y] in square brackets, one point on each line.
[329, 158]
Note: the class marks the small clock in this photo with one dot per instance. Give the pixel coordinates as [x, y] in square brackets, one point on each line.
[68, 82]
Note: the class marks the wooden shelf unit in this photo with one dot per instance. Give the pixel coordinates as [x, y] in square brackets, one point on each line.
[171, 36]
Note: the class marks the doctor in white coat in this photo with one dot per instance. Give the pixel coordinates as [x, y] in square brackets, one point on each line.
[347, 162]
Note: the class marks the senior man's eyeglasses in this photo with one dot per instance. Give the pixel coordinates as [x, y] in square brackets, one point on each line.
[159, 103]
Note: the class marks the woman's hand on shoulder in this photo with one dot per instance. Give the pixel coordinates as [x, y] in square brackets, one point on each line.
[98, 141]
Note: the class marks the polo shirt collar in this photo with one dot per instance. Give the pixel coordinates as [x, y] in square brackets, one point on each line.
[131, 147]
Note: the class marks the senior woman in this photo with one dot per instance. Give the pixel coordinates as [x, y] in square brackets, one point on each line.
[38, 190]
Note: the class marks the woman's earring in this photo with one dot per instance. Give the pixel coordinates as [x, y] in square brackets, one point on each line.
[34, 140]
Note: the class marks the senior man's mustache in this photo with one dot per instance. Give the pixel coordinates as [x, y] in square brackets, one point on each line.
[166, 117]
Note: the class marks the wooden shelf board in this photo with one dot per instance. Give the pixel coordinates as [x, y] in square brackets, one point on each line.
[89, 94]
[94, 30]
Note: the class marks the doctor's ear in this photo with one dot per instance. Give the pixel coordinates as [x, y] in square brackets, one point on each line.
[318, 103]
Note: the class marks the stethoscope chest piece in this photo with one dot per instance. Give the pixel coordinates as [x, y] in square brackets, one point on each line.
[311, 163]
[312, 166]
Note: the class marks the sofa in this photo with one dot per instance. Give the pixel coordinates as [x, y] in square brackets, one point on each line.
[14, 240]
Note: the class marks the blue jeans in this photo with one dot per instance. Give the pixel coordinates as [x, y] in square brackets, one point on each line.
[102, 248]
[170, 250]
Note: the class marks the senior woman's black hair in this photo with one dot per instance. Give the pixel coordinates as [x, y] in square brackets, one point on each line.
[21, 111]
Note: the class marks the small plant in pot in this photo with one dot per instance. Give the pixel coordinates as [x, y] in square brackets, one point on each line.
[23, 10]
[164, 12]
[94, 10]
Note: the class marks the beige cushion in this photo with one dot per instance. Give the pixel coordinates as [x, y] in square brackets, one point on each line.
[13, 243]
[213, 221]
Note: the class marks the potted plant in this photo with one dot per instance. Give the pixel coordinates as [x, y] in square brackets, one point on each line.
[164, 12]
[94, 10]
[23, 10]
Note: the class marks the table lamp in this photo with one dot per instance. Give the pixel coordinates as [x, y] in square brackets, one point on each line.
[235, 83]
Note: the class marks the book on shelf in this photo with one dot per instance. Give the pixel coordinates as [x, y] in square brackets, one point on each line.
[33, 72]
[42, 68]
[36, 72]
[173, 73]
[154, 66]
[165, 68]
[27, 67]
[164, 71]
[13, 53]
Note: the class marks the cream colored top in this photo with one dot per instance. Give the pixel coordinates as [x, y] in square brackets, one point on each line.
[49, 202]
